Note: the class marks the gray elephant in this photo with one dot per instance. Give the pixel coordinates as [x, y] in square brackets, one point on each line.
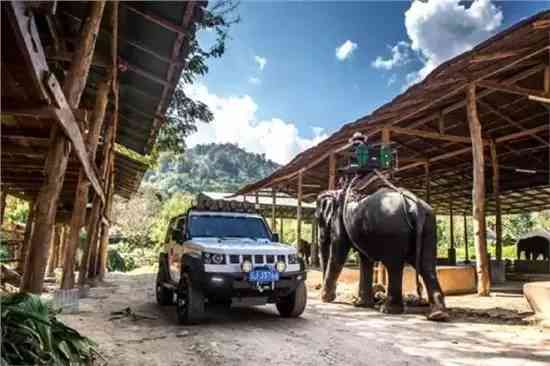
[533, 247]
[390, 226]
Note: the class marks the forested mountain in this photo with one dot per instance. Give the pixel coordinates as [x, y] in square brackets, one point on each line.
[212, 167]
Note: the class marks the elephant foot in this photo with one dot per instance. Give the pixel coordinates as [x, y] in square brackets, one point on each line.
[388, 308]
[328, 296]
[363, 303]
[438, 314]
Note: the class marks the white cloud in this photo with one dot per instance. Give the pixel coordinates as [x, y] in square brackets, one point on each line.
[254, 80]
[261, 61]
[235, 121]
[399, 56]
[345, 50]
[392, 79]
[439, 30]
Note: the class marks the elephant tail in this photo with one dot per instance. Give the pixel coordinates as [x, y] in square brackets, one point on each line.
[420, 220]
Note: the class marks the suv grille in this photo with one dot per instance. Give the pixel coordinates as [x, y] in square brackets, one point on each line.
[281, 258]
[270, 259]
[258, 259]
[234, 259]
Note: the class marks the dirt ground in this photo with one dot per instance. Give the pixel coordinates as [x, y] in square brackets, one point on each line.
[327, 334]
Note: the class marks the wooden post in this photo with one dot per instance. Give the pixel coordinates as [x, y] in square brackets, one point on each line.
[54, 251]
[427, 182]
[332, 171]
[281, 230]
[3, 197]
[26, 239]
[299, 210]
[466, 254]
[496, 197]
[58, 155]
[452, 249]
[274, 209]
[104, 241]
[478, 194]
[78, 217]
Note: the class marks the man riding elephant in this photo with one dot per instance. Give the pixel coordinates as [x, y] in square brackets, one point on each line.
[388, 225]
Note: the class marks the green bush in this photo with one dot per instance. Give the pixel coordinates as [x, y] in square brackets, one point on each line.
[31, 335]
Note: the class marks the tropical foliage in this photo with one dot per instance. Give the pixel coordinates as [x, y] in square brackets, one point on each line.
[31, 335]
[212, 167]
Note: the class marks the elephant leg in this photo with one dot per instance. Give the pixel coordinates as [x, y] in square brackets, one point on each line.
[324, 249]
[365, 296]
[438, 311]
[394, 302]
[338, 254]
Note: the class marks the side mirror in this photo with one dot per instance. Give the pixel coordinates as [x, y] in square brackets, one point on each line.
[275, 237]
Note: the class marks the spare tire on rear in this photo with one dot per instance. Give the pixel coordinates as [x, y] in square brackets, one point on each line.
[293, 305]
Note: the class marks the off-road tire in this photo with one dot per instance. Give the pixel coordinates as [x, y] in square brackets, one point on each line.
[293, 305]
[191, 311]
[164, 296]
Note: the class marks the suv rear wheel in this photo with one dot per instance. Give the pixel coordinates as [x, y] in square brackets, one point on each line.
[190, 302]
[293, 305]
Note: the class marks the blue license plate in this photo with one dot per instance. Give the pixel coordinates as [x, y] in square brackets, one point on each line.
[263, 276]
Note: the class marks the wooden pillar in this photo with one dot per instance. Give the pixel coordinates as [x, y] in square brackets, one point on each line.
[496, 197]
[54, 251]
[3, 197]
[281, 231]
[299, 210]
[26, 239]
[58, 155]
[427, 182]
[452, 249]
[478, 194]
[332, 171]
[466, 247]
[104, 239]
[274, 209]
[78, 217]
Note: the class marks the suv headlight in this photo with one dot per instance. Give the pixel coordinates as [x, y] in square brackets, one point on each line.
[292, 259]
[246, 266]
[280, 266]
[213, 258]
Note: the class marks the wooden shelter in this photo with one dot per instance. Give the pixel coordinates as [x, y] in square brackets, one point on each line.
[473, 136]
[81, 79]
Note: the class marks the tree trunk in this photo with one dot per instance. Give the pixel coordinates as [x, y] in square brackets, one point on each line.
[58, 156]
[54, 251]
[478, 194]
[78, 217]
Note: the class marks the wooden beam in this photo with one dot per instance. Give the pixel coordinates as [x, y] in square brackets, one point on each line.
[431, 135]
[512, 122]
[165, 23]
[518, 135]
[274, 209]
[511, 89]
[478, 194]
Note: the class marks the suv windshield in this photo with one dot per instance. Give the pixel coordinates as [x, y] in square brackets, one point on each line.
[227, 227]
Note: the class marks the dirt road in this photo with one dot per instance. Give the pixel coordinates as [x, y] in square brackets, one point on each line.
[327, 334]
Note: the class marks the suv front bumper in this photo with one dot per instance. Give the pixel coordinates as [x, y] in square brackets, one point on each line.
[223, 286]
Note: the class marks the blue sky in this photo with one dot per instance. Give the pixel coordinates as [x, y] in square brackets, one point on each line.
[282, 85]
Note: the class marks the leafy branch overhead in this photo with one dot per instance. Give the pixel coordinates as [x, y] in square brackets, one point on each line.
[183, 113]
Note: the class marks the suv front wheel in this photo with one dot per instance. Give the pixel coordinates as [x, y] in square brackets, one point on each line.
[190, 301]
[293, 305]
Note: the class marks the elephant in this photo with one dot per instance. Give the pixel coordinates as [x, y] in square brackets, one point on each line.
[388, 225]
[533, 247]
